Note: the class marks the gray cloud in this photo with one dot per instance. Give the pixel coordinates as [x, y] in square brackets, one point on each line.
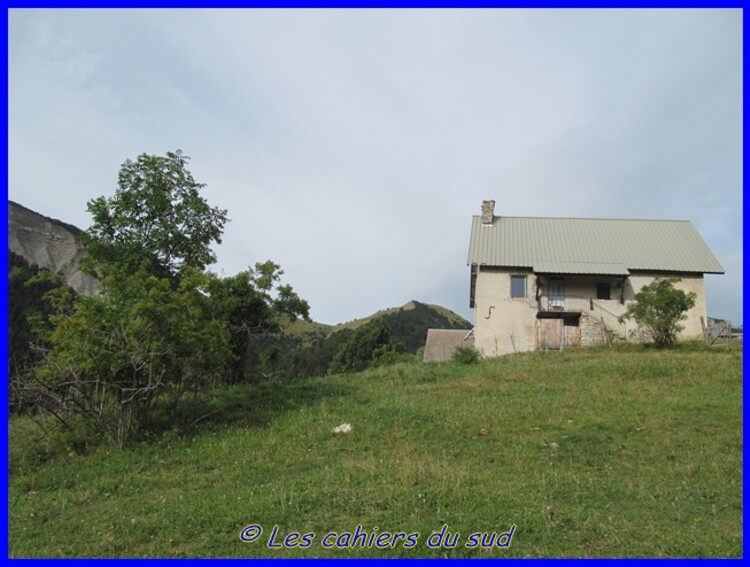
[352, 146]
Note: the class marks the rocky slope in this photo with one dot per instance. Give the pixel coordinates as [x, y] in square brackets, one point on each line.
[50, 244]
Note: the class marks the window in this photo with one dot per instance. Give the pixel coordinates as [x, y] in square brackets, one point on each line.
[518, 286]
[603, 291]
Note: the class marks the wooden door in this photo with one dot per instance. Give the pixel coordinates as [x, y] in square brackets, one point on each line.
[572, 334]
[551, 334]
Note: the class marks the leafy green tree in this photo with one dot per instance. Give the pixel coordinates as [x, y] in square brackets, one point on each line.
[315, 359]
[161, 325]
[658, 309]
[26, 294]
[28, 313]
[392, 353]
[156, 220]
[253, 304]
[367, 345]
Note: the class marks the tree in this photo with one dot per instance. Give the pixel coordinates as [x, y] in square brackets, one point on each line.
[26, 291]
[161, 326]
[658, 309]
[253, 304]
[315, 359]
[367, 345]
[116, 353]
[156, 220]
[28, 316]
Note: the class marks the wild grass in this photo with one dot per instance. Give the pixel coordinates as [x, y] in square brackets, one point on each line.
[626, 452]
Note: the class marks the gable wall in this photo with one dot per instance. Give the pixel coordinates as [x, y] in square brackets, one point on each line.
[499, 321]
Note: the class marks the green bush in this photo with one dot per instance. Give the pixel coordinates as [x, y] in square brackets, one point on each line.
[466, 355]
[370, 345]
[420, 353]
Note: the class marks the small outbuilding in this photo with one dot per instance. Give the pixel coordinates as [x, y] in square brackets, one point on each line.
[442, 343]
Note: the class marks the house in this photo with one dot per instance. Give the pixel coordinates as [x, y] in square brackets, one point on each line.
[552, 283]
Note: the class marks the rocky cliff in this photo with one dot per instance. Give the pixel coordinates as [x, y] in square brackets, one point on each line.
[49, 244]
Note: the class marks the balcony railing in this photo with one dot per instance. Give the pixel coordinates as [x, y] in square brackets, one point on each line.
[580, 304]
[569, 303]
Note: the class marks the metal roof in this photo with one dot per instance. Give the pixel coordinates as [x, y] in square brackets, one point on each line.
[590, 245]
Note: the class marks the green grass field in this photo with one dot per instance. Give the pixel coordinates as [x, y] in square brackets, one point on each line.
[647, 463]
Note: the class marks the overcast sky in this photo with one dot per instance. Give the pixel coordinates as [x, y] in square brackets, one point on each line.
[353, 146]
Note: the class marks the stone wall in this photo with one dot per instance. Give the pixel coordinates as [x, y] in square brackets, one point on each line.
[593, 331]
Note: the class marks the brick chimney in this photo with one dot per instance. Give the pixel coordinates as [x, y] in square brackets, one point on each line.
[488, 212]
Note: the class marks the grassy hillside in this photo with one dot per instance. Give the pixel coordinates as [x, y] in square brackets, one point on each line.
[588, 453]
[307, 329]
[452, 320]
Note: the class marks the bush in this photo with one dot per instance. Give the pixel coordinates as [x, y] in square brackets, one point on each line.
[466, 355]
[420, 353]
[358, 351]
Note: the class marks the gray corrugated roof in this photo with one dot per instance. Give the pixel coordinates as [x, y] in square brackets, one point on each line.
[636, 244]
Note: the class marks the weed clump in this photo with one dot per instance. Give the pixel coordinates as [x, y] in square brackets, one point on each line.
[466, 355]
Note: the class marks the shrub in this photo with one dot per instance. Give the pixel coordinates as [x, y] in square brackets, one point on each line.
[359, 351]
[369, 346]
[466, 355]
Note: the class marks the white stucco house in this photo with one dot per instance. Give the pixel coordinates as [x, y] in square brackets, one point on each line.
[552, 283]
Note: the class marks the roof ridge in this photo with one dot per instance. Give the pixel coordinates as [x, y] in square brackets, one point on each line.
[585, 218]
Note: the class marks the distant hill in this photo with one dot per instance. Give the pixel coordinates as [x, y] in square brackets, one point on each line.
[440, 313]
[410, 322]
[307, 330]
[414, 312]
[309, 347]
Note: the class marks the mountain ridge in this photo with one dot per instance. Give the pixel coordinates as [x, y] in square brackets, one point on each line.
[53, 244]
